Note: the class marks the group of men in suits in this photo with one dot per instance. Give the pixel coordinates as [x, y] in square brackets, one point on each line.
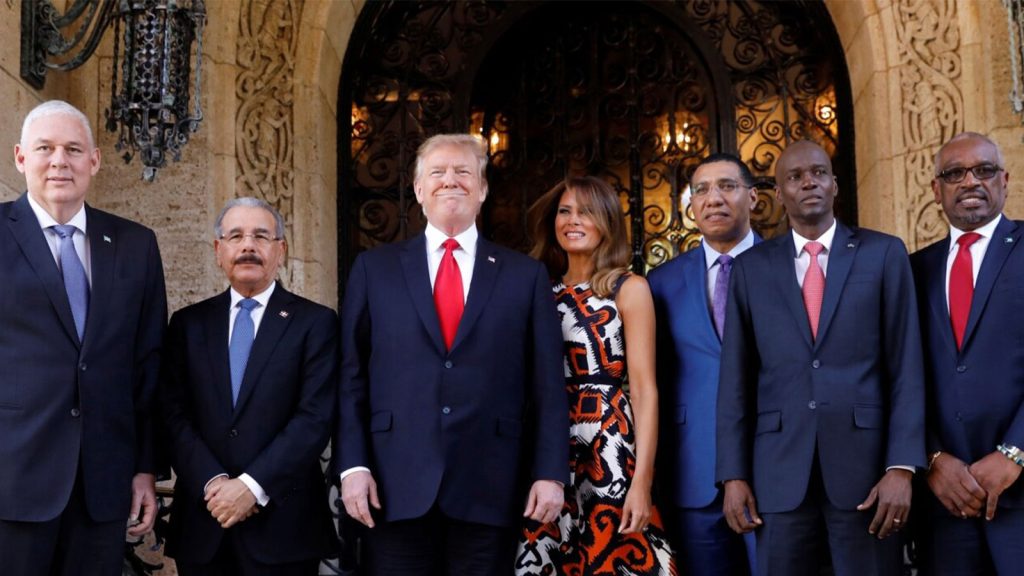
[796, 375]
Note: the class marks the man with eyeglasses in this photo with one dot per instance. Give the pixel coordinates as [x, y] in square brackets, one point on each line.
[248, 393]
[971, 295]
[690, 294]
[820, 418]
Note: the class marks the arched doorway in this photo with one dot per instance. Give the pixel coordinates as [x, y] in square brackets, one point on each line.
[636, 92]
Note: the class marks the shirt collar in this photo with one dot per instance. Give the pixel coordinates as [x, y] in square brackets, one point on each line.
[466, 239]
[262, 297]
[711, 255]
[985, 231]
[45, 220]
[825, 239]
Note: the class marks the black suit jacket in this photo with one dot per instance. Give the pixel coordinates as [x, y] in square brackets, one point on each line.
[457, 428]
[70, 407]
[275, 432]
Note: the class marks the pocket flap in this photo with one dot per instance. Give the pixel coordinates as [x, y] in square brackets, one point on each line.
[867, 416]
[769, 422]
[380, 422]
[510, 427]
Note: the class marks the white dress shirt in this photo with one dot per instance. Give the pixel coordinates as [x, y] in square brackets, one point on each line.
[977, 250]
[80, 239]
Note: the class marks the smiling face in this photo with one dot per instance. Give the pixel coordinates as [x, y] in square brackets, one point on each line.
[721, 204]
[450, 188]
[972, 202]
[251, 263]
[575, 229]
[58, 161]
[805, 185]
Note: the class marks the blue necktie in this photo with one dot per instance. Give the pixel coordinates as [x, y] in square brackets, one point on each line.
[75, 281]
[241, 342]
[721, 292]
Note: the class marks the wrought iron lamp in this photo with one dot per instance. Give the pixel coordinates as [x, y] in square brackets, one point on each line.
[151, 105]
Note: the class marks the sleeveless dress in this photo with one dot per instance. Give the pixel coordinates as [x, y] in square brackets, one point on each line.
[584, 540]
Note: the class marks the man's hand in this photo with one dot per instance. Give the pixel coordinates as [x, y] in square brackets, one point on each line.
[740, 507]
[143, 510]
[952, 483]
[358, 493]
[545, 501]
[230, 501]
[636, 511]
[893, 494]
[994, 473]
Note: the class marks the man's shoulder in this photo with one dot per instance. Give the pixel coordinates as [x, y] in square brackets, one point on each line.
[309, 307]
[202, 308]
[116, 223]
[673, 268]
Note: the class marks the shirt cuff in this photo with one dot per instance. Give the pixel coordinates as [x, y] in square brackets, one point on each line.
[351, 471]
[255, 488]
[206, 486]
[901, 467]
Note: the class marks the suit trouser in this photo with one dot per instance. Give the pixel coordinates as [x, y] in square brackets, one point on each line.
[952, 546]
[436, 545]
[72, 544]
[792, 543]
[704, 543]
[232, 559]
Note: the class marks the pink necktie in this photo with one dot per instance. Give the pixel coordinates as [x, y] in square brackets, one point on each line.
[448, 295]
[961, 286]
[814, 286]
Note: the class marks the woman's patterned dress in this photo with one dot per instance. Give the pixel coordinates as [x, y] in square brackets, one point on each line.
[584, 540]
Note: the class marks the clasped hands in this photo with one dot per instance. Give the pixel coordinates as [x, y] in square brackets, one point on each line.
[229, 501]
[965, 490]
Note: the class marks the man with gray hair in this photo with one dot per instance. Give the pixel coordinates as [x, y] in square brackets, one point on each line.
[83, 312]
[248, 395]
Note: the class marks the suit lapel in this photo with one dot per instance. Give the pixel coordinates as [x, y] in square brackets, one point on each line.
[936, 287]
[26, 232]
[485, 271]
[1005, 237]
[417, 280]
[216, 331]
[695, 285]
[275, 321]
[840, 259]
[783, 256]
[102, 254]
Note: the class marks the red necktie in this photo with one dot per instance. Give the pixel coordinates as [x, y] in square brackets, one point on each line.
[448, 295]
[961, 286]
[814, 286]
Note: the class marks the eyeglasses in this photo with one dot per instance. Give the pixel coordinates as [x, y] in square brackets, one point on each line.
[981, 172]
[724, 186]
[261, 239]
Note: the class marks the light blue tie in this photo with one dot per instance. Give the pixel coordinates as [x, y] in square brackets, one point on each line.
[75, 281]
[241, 342]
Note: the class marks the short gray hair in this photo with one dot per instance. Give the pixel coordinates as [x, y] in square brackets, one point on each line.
[466, 141]
[250, 202]
[54, 108]
[969, 136]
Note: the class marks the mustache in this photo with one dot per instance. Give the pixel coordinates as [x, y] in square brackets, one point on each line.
[249, 258]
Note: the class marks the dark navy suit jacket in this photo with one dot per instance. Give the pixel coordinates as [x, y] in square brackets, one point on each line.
[689, 356]
[70, 407]
[976, 395]
[855, 394]
[275, 432]
[463, 428]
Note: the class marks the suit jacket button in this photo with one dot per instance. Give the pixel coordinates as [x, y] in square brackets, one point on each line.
[83, 366]
[233, 433]
[961, 369]
[75, 413]
[447, 363]
[446, 410]
[816, 363]
[812, 404]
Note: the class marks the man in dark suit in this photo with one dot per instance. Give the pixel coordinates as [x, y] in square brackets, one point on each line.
[82, 317]
[821, 396]
[249, 393]
[971, 291]
[690, 294]
[451, 385]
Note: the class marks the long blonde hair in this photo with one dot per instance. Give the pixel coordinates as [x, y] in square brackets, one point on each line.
[611, 257]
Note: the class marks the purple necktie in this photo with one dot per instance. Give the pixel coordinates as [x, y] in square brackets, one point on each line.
[721, 293]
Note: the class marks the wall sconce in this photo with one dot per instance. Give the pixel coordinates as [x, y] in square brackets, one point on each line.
[150, 96]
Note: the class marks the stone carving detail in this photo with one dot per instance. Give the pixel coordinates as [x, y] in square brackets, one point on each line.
[932, 107]
[264, 122]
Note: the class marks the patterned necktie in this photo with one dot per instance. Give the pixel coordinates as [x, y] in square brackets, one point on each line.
[961, 286]
[448, 294]
[75, 281]
[718, 297]
[241, 343]
[814, 286]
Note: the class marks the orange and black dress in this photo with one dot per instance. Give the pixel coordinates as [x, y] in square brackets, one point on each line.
[584, 540]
